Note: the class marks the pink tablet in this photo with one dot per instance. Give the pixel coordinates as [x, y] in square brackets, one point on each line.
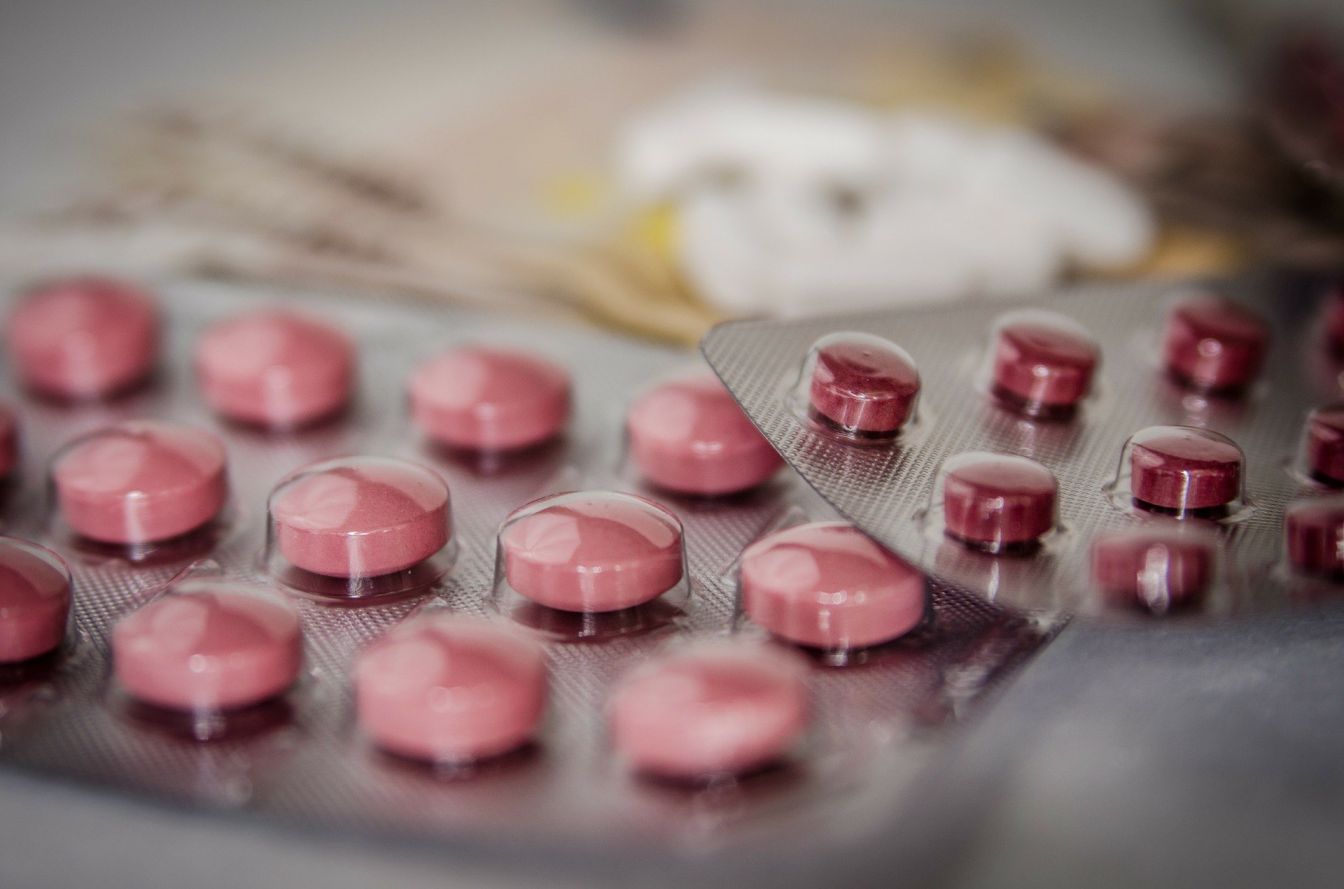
[688, 435]
[997, 502]
[1183, 470]
[83, 337]
[1043, 363]
[1157, 568]
[1314, 532]
[141, 481]
[487, 398]
[9, 441]
[34, 600]
[444, 687]
[207, 646]
[1214, 344]
[710, 709]
[592, 551]
[275, 368]
[828, 585]
[862, 384]
[360, 516]
[1325, 445]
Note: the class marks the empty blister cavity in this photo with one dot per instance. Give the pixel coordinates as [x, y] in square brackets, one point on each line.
[1214, 345]
[1181, 471]
[591, 563]
[687, 435]
[1313, 531]
[83, 338]
[828, 586]
[1160, 567]
[275, 369]
[860, 385]
[995, 503]
[360, 527]
[1323, 445]
[447, 688]
[208, 646]
[710, 710]
[1041, 363]
[486, 398]
[140, 482]
[35, 595]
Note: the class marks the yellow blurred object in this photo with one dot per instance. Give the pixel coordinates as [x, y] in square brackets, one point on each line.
[985, 78]
[1183, 251]
[577, 195]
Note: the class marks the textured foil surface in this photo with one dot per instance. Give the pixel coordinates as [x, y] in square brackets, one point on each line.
[887, 489]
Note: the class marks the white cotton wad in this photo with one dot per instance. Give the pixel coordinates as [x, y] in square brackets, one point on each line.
[791, 206]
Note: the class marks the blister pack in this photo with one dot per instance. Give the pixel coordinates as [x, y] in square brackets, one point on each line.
[1114, 450]
[432, 573]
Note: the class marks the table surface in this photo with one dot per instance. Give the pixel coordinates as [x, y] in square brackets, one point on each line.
[1182, 754]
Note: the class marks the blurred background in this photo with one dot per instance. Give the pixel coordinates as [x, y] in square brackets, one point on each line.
[657, 166]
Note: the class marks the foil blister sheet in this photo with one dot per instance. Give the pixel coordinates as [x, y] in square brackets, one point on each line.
[876, 723]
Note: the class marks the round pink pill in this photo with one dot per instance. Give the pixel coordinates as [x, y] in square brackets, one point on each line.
[1214, 344]
[1156, 569]
[141, 481]
[449, 688]
[275, 368]
[1043, 363]
[1314, 533]
[687, 435]
[9, 441]
[710, 710]
[592, 551]
[1184, 471]
[34, 600]
[490, 399]
[360, 516]
[1325, 444]
[83, 338]
[862, 384]
[997, 502]
[828, 585]
[208, 646]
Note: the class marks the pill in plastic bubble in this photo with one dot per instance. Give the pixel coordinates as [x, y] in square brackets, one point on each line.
[1157, 569]
[711, 709]
[997, 503]
[688, 435]
[862, 384]
[9, 441]
[34, 600]
[141, 481]
[828, 585]
[486, 398]
[1184, 471]
[83, 338]
[1314, 533]
[1214, 344]
[358, 517]
[274, 368]
[592, 551]
[1325, 444]
[208, 646]
[1043, 363]
[450, 688]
